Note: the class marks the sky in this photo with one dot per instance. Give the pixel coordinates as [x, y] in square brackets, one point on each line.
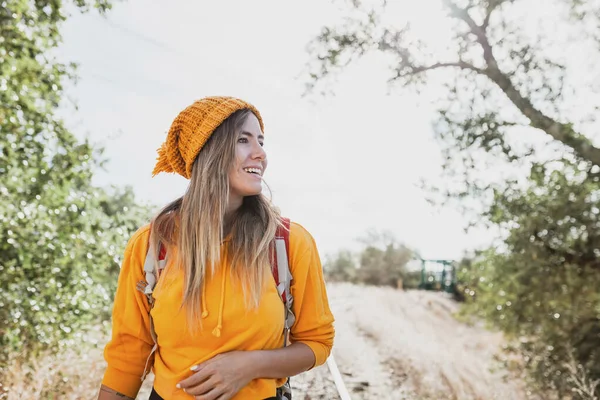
[338, 165]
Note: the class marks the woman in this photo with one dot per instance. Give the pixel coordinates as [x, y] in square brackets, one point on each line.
[216, 311]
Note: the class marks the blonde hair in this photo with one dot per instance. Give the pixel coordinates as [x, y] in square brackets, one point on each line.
[194, 225]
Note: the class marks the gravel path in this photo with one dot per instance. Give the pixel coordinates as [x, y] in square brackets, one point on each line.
[399, 345]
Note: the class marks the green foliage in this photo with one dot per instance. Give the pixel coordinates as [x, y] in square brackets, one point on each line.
[543, 288]
[60, 237]
[411, 279]
[59, 258]
[383, 267]
[341, 268]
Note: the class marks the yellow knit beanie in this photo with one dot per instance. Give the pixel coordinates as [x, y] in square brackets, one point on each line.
[191, 129]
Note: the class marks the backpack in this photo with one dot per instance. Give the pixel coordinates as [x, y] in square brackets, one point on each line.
[281, 273]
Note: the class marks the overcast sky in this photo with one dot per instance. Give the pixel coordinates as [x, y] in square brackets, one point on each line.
[338, 165]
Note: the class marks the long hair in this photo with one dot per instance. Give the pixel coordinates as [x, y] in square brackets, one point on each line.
[194, 225]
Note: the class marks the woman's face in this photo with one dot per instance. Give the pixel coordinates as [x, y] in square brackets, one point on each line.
[245, 176]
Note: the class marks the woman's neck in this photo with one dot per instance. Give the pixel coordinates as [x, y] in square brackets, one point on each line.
[227, 224]
[233, 204]
[230, 215]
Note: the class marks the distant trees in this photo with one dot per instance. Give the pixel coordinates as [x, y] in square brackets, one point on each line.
[382, 262]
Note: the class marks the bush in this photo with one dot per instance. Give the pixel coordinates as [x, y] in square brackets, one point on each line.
[59, 260]
[542, 288]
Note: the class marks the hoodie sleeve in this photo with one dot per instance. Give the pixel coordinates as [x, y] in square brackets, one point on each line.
[131, 343]
[314, 320]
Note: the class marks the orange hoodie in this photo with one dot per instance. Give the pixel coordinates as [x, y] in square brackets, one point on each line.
[227, 324]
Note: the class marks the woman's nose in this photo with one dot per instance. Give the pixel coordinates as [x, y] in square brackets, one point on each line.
[259, 152]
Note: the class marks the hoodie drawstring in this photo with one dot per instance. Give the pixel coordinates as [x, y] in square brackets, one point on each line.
[204, 308]
[217, 331]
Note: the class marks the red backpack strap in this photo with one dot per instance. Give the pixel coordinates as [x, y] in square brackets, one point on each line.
[162, 256]
[282, 272]
[151, 274]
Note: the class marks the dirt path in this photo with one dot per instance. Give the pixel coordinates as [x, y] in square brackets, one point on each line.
[399, 345]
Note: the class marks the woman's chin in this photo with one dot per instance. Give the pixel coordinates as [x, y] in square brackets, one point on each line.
[253, 192]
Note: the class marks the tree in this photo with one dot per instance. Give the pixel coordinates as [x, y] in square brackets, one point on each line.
[543, 288]
[383, 260]
[491, 56]
[510, 106]
[340, 268]
[60, 237]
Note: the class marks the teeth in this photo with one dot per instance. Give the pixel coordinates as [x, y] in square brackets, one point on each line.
[253, 170]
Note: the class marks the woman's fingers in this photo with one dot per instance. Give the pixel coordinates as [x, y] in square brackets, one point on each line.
[219, 378]
[199, 376]
[216, 393]
[206, 387]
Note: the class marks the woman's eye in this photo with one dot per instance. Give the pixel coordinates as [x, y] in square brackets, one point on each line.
[243, 140]
[262, 144]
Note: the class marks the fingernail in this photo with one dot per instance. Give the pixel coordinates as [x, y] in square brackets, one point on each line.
[195, 367]
[178, 386]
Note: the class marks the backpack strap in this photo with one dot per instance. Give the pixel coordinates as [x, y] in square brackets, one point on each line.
[280, 267]
[152, 273]
[281, 271]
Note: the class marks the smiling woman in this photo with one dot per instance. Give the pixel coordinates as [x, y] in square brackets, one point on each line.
[212, 327]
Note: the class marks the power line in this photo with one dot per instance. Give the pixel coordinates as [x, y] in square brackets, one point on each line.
[142, 37]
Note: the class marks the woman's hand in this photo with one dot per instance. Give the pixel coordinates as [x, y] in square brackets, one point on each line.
[221, 377]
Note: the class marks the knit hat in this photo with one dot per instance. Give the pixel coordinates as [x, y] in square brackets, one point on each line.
[191, 129]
